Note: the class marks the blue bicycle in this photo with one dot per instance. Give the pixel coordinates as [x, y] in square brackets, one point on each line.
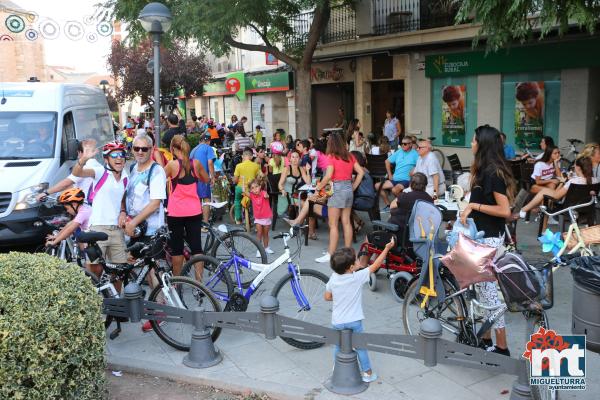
[299, 291]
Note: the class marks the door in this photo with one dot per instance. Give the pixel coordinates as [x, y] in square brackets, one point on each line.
[386, 95]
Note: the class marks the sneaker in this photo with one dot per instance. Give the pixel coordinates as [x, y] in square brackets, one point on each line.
[520, 200]
[498, 350]
[268, 250]
[385, 209]
[258, 254]
[147, 326]
[324, 259]
[369, 377]
[552, 221]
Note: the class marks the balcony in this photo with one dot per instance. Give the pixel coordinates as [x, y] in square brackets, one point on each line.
[376, 18]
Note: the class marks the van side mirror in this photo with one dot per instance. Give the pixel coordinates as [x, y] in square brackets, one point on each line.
[72, 146]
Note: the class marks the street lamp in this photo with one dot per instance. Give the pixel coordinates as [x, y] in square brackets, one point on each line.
[156, 19]
[104, 86]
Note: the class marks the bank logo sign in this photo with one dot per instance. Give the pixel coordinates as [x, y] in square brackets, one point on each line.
[556, 361]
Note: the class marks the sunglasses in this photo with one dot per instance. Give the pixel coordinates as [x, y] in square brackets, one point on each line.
[406, 143]
[142, 149]
[422, 147]
[117, 154]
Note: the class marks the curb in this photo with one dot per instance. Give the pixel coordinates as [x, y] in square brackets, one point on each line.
[191, 376]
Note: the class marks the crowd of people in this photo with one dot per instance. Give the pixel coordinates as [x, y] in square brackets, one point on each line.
[172, 185]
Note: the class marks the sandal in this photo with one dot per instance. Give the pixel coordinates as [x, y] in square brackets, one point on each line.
[313, 236]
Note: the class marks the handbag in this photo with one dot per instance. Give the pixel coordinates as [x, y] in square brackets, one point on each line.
[292, 209]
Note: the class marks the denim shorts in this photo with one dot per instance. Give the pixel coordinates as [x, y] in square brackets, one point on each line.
[342, 195]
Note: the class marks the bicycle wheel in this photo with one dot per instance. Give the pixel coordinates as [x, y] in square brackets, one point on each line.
[194, 296]
[541, 392]
[312, 285]
[450, 312]
[220, 285]
[246, 246]
[440, 156]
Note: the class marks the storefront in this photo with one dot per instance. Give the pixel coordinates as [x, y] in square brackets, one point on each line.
[262, 98]
[527, 92]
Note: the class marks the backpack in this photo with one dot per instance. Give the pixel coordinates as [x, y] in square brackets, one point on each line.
[92, 191]
[520, 283]
[364, 195]
[165, 154]
[132, 166]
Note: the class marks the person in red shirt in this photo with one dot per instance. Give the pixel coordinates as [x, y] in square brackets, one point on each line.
[262, 213]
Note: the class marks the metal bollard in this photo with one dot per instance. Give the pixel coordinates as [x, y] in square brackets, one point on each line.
[269, 305]
[521, 389]
[203, 353]
[431, 331]
[346, 377]
[134, 295]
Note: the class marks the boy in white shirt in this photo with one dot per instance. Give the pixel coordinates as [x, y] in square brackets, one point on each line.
[345, 290]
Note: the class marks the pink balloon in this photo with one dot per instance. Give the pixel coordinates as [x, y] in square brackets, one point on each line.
[470, 262]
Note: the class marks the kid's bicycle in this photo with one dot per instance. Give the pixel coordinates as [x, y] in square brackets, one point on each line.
[300, 291]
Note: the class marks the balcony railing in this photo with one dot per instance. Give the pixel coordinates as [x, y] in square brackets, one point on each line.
[387, 16]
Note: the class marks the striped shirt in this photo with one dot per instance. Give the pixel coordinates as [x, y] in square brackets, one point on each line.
[242, 142]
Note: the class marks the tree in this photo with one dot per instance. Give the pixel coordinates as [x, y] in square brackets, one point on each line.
[216, 24]
[504, 21]
[180, 68]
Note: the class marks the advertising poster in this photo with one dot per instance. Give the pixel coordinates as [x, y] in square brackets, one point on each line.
[258, 111]
[529, 112]
[214, 107]
[453, 115]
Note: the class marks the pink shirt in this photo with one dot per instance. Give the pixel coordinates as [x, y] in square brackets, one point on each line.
[260, 205]
[83, 216]
[322, 161]
[342, 170]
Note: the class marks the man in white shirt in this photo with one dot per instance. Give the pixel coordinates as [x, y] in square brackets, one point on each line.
[429, 165]
[107, 198]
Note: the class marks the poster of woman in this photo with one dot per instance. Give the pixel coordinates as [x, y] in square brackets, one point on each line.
[453, 115]
[529, 111]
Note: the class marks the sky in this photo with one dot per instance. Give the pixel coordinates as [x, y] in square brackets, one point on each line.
[81, 55]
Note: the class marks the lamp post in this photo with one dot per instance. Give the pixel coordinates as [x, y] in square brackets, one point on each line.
[104, 86]
[156, 19]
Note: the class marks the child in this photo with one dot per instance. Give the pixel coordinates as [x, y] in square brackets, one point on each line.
[345, 290]
[244, 172]
[262, 213]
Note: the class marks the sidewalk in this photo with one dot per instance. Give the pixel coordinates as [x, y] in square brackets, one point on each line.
[250, 362]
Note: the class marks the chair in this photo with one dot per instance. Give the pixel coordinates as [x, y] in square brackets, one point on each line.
[526, 169]
[377, 170]
[577, 194]
[456, 167]
[515, 168]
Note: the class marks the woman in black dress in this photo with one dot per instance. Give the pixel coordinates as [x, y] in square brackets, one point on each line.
[491, 190]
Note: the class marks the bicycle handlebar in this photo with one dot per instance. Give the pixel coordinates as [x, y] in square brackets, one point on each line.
[589, 203]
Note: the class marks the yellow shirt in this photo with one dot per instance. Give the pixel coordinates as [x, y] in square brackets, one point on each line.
[246, 171]
[277, 169]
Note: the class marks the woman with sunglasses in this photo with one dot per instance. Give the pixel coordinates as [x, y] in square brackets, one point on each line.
[106, 197]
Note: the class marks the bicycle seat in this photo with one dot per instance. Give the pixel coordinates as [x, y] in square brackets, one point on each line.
[431, 138]
[91, 237]
[230, 228]
[574, 141]
[386, 226]
[217, 205]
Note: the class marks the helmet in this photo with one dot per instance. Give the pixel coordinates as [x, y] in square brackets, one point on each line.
[110, 147]
[75, 195]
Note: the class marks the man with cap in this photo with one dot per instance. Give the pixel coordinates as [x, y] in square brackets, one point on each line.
[205, 154]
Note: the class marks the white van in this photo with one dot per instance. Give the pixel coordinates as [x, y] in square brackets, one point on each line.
[39, 123]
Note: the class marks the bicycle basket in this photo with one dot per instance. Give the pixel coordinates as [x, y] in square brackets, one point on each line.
[524, 287]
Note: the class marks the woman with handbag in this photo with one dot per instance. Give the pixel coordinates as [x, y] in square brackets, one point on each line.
[291, 179]
[339, 171]
[491, 191]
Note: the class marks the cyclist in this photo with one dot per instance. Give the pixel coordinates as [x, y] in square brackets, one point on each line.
[106, 197]
[73, 202]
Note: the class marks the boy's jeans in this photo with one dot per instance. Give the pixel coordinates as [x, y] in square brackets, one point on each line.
[363, 356]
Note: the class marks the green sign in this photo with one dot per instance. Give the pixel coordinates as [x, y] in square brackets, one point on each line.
[271, 82]
[564, 54]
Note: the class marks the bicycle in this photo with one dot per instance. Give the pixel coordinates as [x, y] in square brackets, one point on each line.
[306, 286]
[573, 232]
[568, 161]
[459, 313]
[175, 291]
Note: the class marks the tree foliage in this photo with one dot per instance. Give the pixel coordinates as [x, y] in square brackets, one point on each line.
[504, 21]
[181, 68]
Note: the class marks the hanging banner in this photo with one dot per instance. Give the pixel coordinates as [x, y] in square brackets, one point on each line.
[529, 112]
[235, 83]
[453, 115]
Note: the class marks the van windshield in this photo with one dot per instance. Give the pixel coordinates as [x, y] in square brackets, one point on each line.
[25, 135]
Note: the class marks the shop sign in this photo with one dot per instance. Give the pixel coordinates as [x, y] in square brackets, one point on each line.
[238, 84]
[334, 74]
[564, 54]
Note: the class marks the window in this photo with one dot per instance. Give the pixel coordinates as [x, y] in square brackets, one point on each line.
[453, 122]
[515, 118]
[93, 123]
[68, 132]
